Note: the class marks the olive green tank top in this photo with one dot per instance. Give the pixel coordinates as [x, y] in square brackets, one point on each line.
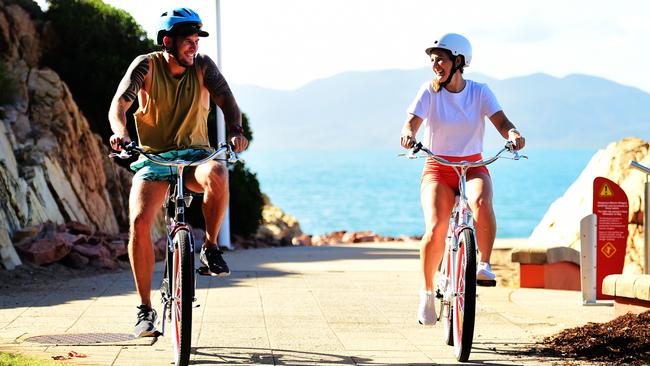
[173, 117]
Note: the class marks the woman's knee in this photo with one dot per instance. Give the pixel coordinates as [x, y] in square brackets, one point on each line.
[480, 203]
[435, 231]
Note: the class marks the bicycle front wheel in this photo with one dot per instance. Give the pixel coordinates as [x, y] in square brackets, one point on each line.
[464, 306]
[182, 297]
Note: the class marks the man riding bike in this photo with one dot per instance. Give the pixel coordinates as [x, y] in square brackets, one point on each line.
[174, 87]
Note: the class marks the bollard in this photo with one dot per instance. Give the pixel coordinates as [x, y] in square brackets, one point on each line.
[646, 228]
[588, 259]
[646, 216]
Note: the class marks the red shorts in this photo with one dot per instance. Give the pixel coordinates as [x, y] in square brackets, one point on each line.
[436, 172]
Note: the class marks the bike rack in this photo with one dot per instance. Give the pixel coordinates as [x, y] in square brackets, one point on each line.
[646, 216]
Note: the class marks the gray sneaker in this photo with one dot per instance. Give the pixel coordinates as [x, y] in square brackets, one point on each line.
[145, 326]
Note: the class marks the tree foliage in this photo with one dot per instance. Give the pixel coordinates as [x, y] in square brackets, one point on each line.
[95, 43]
[246, 201]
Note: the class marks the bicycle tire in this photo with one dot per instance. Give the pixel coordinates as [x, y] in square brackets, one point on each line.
[181, 309]
[464, 306]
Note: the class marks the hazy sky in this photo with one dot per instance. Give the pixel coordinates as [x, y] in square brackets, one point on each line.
[285, 44]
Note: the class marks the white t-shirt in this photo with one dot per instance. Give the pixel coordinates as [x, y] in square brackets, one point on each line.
[454, 123]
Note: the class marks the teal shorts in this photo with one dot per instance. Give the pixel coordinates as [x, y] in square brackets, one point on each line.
[146, 169]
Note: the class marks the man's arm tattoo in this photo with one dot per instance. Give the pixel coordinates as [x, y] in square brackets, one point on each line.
[214, 80]
[132, 83]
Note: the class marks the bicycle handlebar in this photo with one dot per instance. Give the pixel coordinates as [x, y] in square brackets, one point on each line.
[130, 149]
[510, 147]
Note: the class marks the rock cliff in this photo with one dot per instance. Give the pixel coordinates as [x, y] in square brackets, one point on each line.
[52, 166]
[561, 223]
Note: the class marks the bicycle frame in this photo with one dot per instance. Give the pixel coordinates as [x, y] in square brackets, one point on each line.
[175, 224]
[181, 202]
[179, 267]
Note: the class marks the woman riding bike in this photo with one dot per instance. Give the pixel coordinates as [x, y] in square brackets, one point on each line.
[453, 110]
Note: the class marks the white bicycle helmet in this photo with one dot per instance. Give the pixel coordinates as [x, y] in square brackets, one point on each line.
[454, 43]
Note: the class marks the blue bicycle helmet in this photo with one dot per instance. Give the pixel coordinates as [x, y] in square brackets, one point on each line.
[180, 21]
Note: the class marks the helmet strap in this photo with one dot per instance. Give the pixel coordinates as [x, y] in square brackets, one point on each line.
[454, 68]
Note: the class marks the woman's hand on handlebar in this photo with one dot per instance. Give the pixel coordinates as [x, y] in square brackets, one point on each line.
[516, 138]
[407, 141]
[119, 140]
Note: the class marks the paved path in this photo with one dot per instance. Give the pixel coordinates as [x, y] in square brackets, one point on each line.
[339, 305]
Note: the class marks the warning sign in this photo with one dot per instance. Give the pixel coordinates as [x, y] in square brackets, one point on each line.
[605, 191]
[611, 209]
[608, 250]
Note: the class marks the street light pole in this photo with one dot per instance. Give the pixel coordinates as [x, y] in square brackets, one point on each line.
[224, 233]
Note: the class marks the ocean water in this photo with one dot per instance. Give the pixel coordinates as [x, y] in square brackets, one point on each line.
[375, 190]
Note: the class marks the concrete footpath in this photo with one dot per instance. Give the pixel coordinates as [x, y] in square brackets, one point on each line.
[337, 305]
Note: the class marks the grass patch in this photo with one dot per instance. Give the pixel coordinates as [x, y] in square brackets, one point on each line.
[13, 359]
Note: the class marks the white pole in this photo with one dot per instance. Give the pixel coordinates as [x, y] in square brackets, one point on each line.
[588, 247]
[646, 216]
[224, 234]
[646, 226]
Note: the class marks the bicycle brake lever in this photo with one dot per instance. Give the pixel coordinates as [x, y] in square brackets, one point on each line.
[518, 156]
[122, 155]
[233, 158]
[408, 155]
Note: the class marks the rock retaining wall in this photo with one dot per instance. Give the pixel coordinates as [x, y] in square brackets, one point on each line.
[560, 226]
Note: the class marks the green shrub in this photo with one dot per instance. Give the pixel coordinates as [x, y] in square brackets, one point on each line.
[8, 86]
[246, 200]
[95, 44]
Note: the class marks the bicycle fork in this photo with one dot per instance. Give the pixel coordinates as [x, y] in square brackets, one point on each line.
[168, 298]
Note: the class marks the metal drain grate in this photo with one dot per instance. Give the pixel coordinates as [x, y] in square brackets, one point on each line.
[80, 339]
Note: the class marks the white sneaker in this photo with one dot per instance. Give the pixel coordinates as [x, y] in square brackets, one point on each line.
[427, 308]
[484, 272]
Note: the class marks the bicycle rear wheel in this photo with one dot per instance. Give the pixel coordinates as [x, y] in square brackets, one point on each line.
[464, 306]
[182, 297]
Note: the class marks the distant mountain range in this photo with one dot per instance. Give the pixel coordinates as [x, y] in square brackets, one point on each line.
[367, 110]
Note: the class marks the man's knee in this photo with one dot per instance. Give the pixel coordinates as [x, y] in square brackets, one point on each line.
[141, 223]
[216, 179]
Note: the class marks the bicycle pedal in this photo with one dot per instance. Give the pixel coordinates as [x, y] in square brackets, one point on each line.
[486, 283]
[204, 271]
